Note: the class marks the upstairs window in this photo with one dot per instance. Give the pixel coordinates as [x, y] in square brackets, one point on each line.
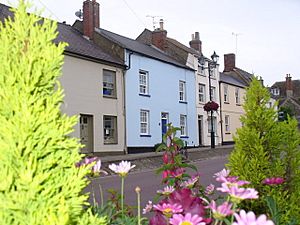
[109, 83]
[275, 91]
[202, 93]
[237, 95]
[226, 97]
[144, 82]
[213, 93]
[182, 91]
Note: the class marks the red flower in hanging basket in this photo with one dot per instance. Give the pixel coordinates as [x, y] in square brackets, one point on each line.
[211, 106]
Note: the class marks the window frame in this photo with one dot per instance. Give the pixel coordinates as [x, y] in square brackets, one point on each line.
[183, 125]
[237, 96]
[226, 95]
[214, 124]
[145, 122]
[113, 130]
[145, 84]
[213, 93]
[182, 91]
[113, 83]
[227, 123]
[203, 93]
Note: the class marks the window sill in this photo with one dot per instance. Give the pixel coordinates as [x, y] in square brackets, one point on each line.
[227, 133]
[112, 143]
[184, 136]
[226, 103]
[238, 104]
[201, 74]
[183, 102]
[145, 135]
[109, 96]
[145, 95]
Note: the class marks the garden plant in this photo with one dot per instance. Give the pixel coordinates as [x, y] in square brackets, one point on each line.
[266, 153]
[40, 183]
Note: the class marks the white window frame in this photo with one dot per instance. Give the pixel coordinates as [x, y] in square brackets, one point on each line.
[144, 122]
[183, 125]
[143, 82]
[226, 95]
[201, 93]
[214, 124]
[110, 132]
[182, 91]
[109, 84]
[213, 93]
[275, 91]
[237, 95]
[227, 123]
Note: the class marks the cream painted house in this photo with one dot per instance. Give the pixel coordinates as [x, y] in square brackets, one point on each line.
[93, 83]
[233, 83]
[93, 86]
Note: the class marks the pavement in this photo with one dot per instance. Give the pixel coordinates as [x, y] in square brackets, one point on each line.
[152, 160]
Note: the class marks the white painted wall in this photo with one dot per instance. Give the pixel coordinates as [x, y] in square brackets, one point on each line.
[82, 84]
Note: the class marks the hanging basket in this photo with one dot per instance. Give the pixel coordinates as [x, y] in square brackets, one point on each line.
[211, 106]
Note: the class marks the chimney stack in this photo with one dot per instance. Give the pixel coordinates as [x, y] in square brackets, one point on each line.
[159, 36]
[90, 17]
[289, 85]
[196, 43]
[229, 62]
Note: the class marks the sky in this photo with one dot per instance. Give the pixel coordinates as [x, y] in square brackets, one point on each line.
[264, 34]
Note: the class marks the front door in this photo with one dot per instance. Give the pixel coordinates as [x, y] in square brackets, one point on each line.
[200, 129]
[86, 133]
[164, 122]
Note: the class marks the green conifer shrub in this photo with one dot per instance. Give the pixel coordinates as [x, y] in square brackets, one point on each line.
[265, 148]
[39, 181]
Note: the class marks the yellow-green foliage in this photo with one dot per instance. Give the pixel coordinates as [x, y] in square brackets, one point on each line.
[267, 148]
[39, 181]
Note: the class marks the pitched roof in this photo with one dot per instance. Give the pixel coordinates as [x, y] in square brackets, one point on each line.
[282, 87]
[141, 48]
[77, 44]
[230, 78]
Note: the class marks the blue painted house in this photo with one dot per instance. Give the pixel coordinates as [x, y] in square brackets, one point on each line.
[158, 89]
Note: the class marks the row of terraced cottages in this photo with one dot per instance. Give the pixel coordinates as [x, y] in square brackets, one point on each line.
[126, 91]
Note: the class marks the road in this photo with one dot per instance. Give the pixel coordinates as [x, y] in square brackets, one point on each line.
[149, 182]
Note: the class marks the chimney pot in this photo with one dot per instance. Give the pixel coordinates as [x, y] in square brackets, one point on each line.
[161, 24]
[196, 43]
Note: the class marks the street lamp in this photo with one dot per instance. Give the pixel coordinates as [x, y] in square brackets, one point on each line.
[211, 65]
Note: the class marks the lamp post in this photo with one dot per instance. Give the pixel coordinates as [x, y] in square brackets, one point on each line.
[211, 65]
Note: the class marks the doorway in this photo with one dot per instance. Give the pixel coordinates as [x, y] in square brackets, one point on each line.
[200, 130]
[86, 133]
[164, 123]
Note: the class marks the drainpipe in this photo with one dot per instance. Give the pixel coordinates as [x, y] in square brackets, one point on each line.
[127, 67]
[221, 113]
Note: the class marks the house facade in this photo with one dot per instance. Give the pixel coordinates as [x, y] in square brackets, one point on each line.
[158, 89]
[190, 56]
[93, 86]
[287, 93]
[233, 83]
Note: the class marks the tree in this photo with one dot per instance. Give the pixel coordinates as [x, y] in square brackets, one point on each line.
[266, 148]
[40, 183]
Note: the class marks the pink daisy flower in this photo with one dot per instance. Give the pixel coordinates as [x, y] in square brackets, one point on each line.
[190, 182]
[122, 169]
[168, 209]
[250, 219]
[167, 190]
[238, 194]
[148, 207]
[222, 211]
[209, 190]
[221, 176]
[188, 219]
